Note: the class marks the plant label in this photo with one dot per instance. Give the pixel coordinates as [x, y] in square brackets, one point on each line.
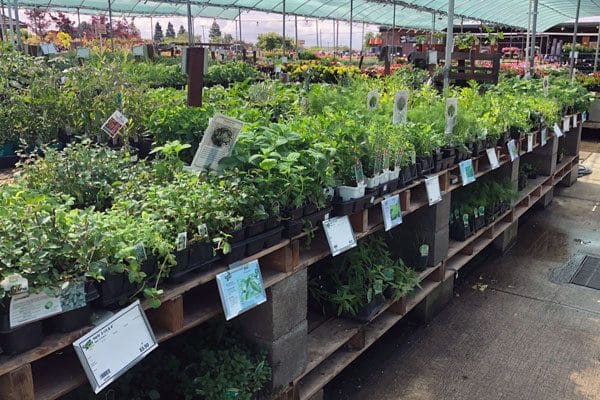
[546, 85]
[182, 240]
[566, 124]
[400, 107]
[48, 48]
[359, 173]
[544, 136]
[432, 186]
[202, 230]
[278, 69]
[492, 158]
[83, 52]
[217, 143]
[14, 284]
[372, 100]
[557, 131]
[432, 57]
[114, 124]
[284, 60]
[574, 123]
[392, 213]
[467, 172]
[584, 116]
[115, 346]
[451, 112]
[513, 151]
[32, 307]
[529, 143]
[241, 288]
[340, 235]
[139, 51]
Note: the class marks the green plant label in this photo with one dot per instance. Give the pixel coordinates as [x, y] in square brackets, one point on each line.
[378, 286]
[386, 160]
[451, 113]
[424, 250]
[359, 173]
[513, 151]
[467, 172]
[481, 211]
[466, 219]
[32, 307]
[392, 213]
[241, 288]
[457, 214]
[476, 212]
[400, 107]
[140, 252]
[232, 394]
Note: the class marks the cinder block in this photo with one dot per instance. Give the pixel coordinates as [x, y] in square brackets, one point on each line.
[435, 302]
[573, 141]
[571, 177]
[442, 213]
[508, 238]
[287, 355]
[546, 199]
[285, 308]
[320, 395]
[510, 170]
[546, 163]
[440, 246]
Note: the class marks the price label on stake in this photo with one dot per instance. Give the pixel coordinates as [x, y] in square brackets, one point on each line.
[467, 172]
[492, 158]
[114, 123]
[566, 124]
[513, 151]
[392, 213]
[241, 288]
[340, 235]
[544, 136]
[574, 124]
[432, 186]
[115, 346]
[557, 131]
[529, 143]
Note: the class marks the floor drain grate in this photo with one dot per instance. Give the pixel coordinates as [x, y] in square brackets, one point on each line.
[588, 274]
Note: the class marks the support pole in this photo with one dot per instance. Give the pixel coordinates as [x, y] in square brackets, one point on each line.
[18, 26]
[240, 21]
[449, 42]
[533, 32]
[362, 46]
[432, 26]
[351, 21]
[283, 42]
[190, 26]
[78, 18]
[597, 50]
[152, 30]
[195, 73]
[296, 32]
[391, 51]
[337, 35]
[527, 44]
[112, 39]
[10, 24]
[573, 47]
[317, 28]
[333, 39]
[2, 25]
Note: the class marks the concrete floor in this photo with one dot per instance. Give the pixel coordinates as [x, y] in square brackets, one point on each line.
[525, 335]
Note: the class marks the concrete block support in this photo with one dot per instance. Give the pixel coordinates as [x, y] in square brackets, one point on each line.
[505, 241]
[573, 141]
[571, 177]
[546, 200]
[285, 308]
[510, 171]
[440, 246]
[435, 302]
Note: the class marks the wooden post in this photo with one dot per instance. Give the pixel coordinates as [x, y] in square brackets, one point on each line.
[17, 384]
[386, 60]
[195, 71]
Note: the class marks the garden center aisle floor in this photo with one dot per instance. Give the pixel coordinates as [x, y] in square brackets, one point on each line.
[522, 336]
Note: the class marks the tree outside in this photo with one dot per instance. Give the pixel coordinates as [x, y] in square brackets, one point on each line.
[215, 32]
[272, 41]
[170, 30]
[39, 21]
[181, 30]
[158, 33]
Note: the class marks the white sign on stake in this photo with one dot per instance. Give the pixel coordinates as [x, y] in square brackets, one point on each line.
[546, 85]
[83, 52]
[529, 143]
[114, 123]
[432, 57]
[513, 151]
[467, 172]
[451, 112]
[392, 213]
[566, 124]
[574, 124]
[340, 235]
[557, 131]
[544, 136]
[218, 142]
[372, 99]
[115, 346]
[432, 186]
[584, 116]
[241, 288]
[492, 157]
[400, 107]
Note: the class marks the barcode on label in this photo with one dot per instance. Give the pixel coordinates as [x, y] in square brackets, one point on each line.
[105, 374]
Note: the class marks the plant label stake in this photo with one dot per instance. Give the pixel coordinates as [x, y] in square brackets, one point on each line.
[557, 131]
[513, 152]
[392, 213]
[114, 124]
[529, 143]
[241, 288]
[434, 194]
[218, 142]
[400, 107]
[544, 136]
[340, 235]
[432, 57]
[372, 100]
[574, 123]
[566, 124]
[115, 346]
[467, 172]
[451, 112]
[492, 158]
[546, 85]
[584, 116]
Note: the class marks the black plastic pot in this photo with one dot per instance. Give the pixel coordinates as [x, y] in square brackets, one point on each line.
[255, 229]
[20, 339]
[316, 218]
[522, 182]
[310, 209]
[459, 231]
[200, 253]
[406, 176]
[182, 258]
[237, 236]
[369, 311]
[272, 223]
[74, 319]
[8, 161]
[392, 185]
[273, 237]
[421, 263]
[292, 228]
[115, 288]
[296, 213]
[478, 148]
[238, 252]
[478, 223]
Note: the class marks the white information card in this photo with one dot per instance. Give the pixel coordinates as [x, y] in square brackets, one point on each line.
[340, 234]
[392, 213]
[434, 194]
[241, 288]
[492, 157]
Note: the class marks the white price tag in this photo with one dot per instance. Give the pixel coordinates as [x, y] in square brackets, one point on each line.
[392, 213]
[467, 172]
[182, 241]
[83, 52]
[492, 158]
[451, 113]
[115, 346]
[14, 284]
[432, 57]
[566, 124]
[432, 186]
[32, 307]
[340, 235]
[546, 85]
[277, 69]
[284, 60]
[584, 116]
[574, 124]
[241, 288]
[400, 107]
[544, 136]
[513, 151]
[114, 123]
[529, 143]
[557, 131]
[372, 99]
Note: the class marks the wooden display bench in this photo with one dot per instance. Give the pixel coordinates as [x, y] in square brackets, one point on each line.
[52, 369]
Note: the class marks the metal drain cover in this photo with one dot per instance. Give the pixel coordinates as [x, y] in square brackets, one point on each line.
[588, 274]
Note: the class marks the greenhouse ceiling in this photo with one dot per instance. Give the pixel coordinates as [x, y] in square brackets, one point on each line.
[411, 13]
